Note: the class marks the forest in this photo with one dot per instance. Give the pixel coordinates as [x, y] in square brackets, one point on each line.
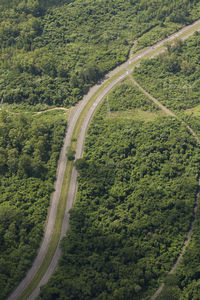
[136, 194]
[52, 51]
[29, 151]
[173, 77]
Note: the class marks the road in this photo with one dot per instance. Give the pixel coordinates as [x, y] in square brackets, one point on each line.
[127, 68]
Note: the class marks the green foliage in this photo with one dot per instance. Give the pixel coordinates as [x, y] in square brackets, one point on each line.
[53, 51]
[173, 77]
[126, 97]
[188, 272]
[136, 193]
[29, 150]
[171, 289]
[81, 164]
[170, 292]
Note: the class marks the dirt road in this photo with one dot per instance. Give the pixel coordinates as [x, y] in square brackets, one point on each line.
[127, 68]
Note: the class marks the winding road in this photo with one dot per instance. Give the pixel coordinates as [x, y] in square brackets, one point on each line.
[126, 69]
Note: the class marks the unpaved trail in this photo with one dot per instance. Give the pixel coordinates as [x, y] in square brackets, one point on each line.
[39, 112]
[188, 238]
[74, 115]
[165, 109]
[50, 109]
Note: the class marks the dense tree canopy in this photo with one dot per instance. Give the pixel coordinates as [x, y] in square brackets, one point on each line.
[53, 51]
[29, 150]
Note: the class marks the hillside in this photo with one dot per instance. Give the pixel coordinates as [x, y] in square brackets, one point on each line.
[51, 52]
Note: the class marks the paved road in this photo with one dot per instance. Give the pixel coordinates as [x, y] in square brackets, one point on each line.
[62, 163]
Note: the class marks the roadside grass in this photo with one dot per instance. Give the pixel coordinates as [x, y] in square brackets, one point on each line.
[192, 30]
[162, 48]
[155, 33]
[138, 49]
[67, 176]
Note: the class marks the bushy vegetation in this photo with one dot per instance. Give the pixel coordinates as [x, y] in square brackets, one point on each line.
[187, 277]
[176, 84]
[53, 51]
[29, 150]
[128, 99]
[137, 189]
[173, 76]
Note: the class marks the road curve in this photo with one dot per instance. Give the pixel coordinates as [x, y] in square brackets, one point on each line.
[127, 68]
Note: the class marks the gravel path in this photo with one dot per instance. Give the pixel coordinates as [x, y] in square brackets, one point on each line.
[62, 163]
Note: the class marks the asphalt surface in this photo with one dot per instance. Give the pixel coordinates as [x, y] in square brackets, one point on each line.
[62, 164]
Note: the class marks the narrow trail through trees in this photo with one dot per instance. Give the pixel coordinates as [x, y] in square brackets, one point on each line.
[188, 238]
